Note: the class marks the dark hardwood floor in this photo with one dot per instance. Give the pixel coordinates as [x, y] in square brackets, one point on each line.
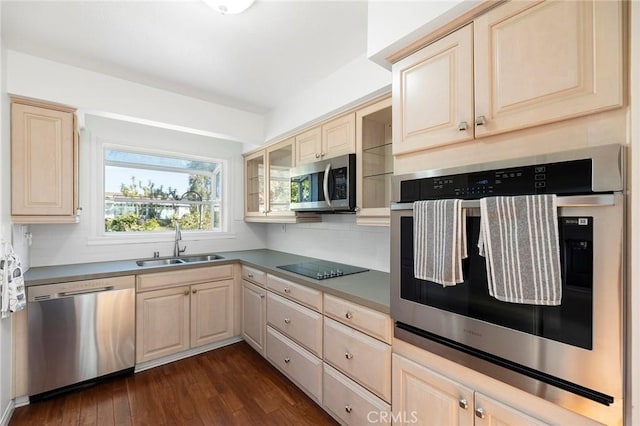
[227, 386]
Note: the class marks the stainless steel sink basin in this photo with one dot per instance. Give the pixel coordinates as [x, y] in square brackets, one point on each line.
[159, 262]
[201, 258]
[179, 260]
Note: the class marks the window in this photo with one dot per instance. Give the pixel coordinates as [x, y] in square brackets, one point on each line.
[149, 193]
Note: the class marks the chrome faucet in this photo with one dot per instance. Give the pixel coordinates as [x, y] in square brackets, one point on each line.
[176, 245]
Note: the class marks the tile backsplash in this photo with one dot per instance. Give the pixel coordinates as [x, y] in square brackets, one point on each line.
[337, 238]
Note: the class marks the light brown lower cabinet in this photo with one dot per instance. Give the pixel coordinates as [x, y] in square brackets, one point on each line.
[172, 318]
[423, 396]
[349, 402]
[300, 365]
[254, 316]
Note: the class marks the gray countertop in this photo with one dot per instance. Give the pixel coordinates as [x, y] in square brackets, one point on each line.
[369, 288]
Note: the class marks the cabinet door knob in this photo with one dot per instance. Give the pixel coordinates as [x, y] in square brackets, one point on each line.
[287, 321]
[322, 154]
[317, 155]
[186, 292]
[250, 275]
[463, 404]
[348, 355]
[347, 408]
[481, 120]
[262, 296]
[287, 290]
[287, 360]
[462, 126]
[348, 315]
[194, 291]
[480, 413]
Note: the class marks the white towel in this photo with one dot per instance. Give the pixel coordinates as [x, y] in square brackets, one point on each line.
[439, 241]
[12, 282]
[519, 239]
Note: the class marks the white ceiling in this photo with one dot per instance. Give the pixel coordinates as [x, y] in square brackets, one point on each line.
[252, 61]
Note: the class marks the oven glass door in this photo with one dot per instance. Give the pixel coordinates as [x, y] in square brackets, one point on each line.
[570, 323]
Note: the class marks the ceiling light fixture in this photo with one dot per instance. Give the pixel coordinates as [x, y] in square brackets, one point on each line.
[229, 7]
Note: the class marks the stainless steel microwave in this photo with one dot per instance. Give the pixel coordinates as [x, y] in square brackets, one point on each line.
[327, 185]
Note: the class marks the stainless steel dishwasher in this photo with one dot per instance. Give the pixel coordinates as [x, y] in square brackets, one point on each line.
[79, 332]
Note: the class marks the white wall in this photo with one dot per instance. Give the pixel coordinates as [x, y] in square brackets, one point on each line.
[97, 93]
[75, 243]
[351, 84]
[6, 363]
[392, 25]
[633, 350]
[336, 238]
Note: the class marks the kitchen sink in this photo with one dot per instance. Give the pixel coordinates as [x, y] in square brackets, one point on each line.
[179, 260]
[201, 258]
[159, 262]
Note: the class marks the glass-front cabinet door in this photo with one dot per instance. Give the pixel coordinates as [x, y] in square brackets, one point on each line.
[280, 159]
[255, 203]
[375, 168]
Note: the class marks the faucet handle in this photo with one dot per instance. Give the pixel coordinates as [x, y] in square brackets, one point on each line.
[182, 250]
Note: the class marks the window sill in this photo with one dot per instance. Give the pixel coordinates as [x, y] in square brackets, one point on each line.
[137, 238]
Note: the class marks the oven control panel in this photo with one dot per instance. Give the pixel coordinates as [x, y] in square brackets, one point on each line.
[570, 177]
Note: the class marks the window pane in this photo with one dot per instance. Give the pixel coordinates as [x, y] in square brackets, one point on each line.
[149, 193]
[113, 156]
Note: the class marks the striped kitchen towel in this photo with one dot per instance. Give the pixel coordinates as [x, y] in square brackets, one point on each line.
[519, 240]
[439, 241]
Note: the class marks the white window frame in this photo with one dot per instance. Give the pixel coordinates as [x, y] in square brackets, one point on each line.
[100, 236]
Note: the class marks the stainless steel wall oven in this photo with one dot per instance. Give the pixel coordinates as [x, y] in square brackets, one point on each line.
[571, 354]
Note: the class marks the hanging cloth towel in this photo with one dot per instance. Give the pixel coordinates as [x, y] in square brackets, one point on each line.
[439, 241]
[12, 281]
[519, 240]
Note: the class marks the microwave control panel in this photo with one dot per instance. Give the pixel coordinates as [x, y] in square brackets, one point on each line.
[569, 177]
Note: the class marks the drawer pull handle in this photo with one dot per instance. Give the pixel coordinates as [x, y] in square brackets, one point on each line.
[348, 315]
[347, 408]
[250, 275]
[186, 292]
[348, 355]
[462, 126]
[287, 360]
[287, 321]
[287, 290]
[463, 404]
[480, 413]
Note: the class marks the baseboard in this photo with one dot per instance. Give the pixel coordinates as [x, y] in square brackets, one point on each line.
[21, 401]
[8, 412]
[186, 354]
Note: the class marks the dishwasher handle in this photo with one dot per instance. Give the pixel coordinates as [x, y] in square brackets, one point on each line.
[39, 293]
[88, 291]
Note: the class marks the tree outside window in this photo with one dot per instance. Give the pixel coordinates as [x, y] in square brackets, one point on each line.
[149, 193]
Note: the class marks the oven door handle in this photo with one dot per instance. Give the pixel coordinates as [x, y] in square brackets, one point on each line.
[325, 185]
[595, 200]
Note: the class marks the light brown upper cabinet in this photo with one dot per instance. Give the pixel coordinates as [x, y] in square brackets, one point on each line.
[522, 64]
[332, 139]
[375, 163]
[44, 163]
[268, 186]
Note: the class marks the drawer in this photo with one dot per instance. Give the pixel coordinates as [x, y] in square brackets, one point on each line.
[369, 321]
[361, 357]
[349, 402]
[298, 364]
[307, 296]
[297, 322]
[254, 275]
[183, 277]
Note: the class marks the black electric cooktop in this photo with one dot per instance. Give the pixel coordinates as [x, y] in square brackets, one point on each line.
[322, 269]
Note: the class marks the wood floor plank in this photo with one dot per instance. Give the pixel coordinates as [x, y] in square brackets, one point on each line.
[232, 385]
